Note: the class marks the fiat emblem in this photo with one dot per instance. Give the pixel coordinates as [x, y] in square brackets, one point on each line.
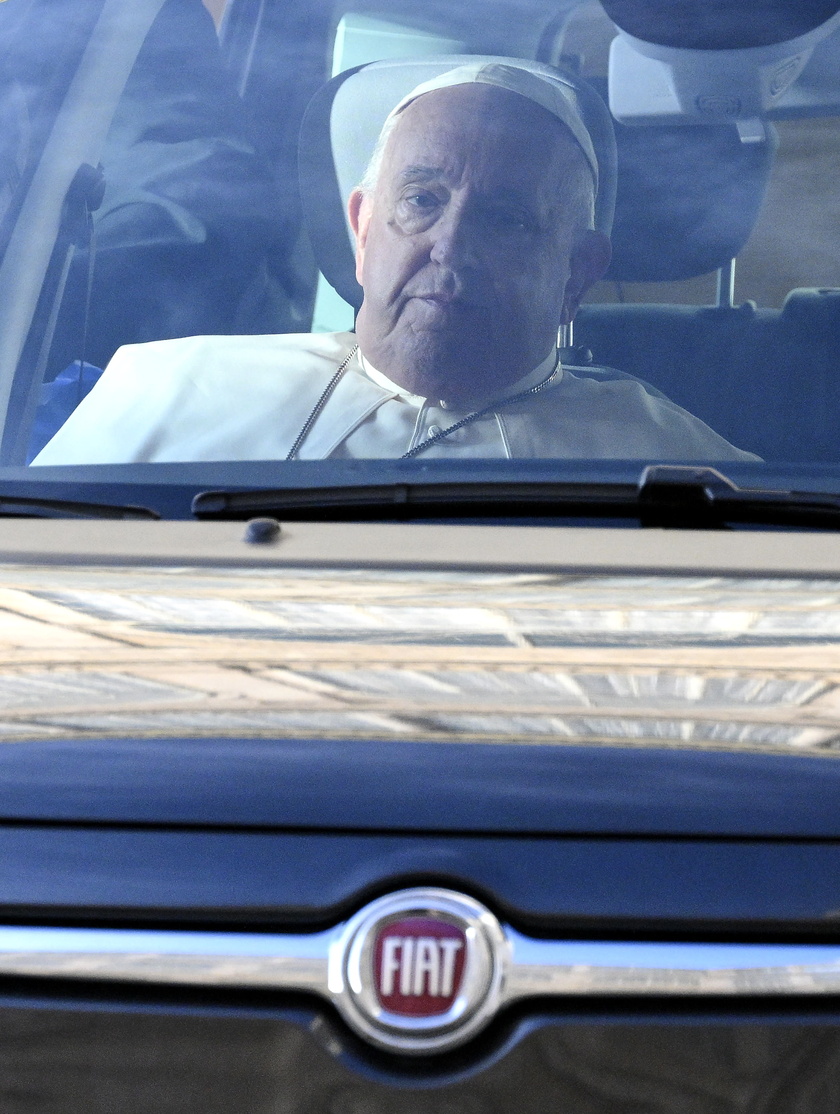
[420, 970]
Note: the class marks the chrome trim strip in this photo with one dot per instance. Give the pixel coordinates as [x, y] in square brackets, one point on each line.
[270, 961]
[551, 967]
[537, 967]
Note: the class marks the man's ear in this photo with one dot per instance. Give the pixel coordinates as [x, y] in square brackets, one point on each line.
[590, 258]
[358, 211]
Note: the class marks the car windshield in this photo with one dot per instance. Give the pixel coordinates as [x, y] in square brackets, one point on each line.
[294, 243]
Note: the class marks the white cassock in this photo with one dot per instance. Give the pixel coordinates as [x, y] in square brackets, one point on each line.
[248, 397]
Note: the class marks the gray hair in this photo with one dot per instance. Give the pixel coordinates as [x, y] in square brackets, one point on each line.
[371, 175]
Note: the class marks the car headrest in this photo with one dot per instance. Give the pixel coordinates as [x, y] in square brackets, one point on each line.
[340, 129]
[687, 199]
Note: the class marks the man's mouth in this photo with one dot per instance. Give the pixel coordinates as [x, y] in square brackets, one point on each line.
[444, 309]
[446, 300]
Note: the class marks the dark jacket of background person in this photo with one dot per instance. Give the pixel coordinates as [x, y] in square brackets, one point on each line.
[189, 237]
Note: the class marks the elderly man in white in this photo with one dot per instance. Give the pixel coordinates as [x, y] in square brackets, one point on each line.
[474, 243]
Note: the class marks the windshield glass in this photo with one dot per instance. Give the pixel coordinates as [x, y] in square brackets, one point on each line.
[593, 234]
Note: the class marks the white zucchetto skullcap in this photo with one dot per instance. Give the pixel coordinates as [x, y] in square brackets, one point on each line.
[543, 91]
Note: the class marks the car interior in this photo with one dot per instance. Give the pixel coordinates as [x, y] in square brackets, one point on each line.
[217, 213]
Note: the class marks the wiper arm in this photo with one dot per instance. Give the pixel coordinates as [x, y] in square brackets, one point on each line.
[25, 506]
[685, 497]
[673, 496]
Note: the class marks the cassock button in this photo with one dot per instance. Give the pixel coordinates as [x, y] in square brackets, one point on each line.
[433, 431]
[444, 405]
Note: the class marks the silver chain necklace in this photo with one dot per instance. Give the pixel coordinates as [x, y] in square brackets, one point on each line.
[423, 445]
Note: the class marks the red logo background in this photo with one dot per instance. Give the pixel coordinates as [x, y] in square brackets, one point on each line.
[418, 965]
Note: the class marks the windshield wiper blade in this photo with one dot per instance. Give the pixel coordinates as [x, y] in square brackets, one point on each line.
[412, 501]
[25, 506]
[672, 496]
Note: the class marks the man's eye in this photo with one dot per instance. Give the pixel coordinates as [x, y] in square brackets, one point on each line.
[421, 200]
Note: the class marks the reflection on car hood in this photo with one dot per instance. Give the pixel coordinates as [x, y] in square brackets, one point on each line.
[679, 661]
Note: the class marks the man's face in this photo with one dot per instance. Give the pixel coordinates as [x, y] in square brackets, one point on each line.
[472, 249]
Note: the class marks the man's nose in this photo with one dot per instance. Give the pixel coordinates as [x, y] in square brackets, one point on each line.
[456, 242]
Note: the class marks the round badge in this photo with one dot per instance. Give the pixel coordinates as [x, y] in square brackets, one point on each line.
[420, 970]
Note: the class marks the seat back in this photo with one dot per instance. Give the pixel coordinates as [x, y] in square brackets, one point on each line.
[766, 379]
[687, 199]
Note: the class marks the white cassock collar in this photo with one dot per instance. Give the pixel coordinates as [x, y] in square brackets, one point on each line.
[540, 372]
